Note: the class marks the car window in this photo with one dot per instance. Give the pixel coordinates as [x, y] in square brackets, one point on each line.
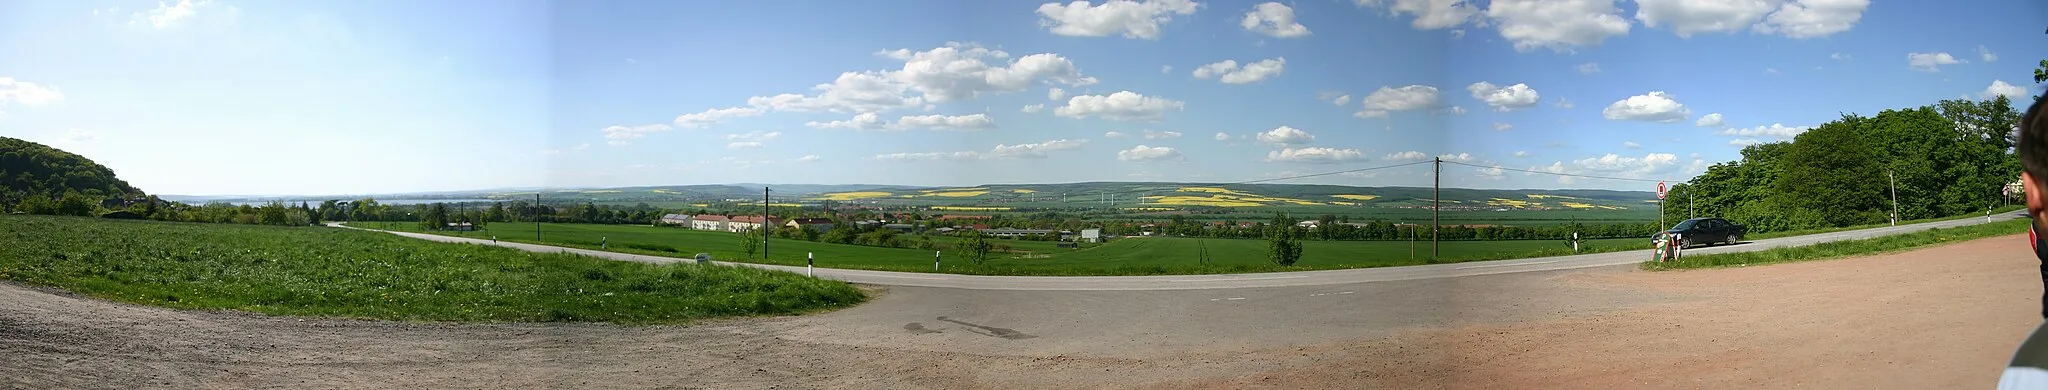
[1687, 224]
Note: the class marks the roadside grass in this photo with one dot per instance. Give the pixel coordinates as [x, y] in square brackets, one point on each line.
[1790, 233]
[1840, 249]
[1128, 256]
[315, 271]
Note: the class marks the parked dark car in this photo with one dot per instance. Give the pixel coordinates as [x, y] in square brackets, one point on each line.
[703, 258]
[1707, 231]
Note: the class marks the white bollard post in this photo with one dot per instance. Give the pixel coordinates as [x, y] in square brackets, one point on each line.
[935, 261]
[810, 263]
[1575, 242]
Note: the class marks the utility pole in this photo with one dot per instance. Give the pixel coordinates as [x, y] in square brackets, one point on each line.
[1436, 219]
[1688, 202]
[1895, 196]
[764, 223]
[536, 216]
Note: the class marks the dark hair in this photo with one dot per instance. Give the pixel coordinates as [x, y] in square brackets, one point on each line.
[2033, 142]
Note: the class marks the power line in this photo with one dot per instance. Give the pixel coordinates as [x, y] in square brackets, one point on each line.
[1557, 173]
[1241, 182]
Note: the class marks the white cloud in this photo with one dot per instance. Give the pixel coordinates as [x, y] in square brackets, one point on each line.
[714, 116]
[1134, 19]
[621, 133]
[1840, 56]
[1589, 68]
[1999, 87]
[1521, 153]
[743, 145]
[863, 121]
[1560, 25]
[1986, 54]
[1452, 110]
[79, 137]
[1710, 120]
[957, 156]
[1149, 134]
[1275, 20]
[856, 92]
[1653, 107]
[1743, 142]
[1504, 98]
[1056, 94]
[1778, 130]
[1033, 108]
[942, 122]
[1629, 166]
[1405, 156]
[1770, 70]
[1284, 135]
[1114, 134]
[958, 71]
[1166, 69]
[1122, 105]
[168, 14]
[1221, 136]
[1429, 14]
[1341, 100]
[808, 158]
[1144, 153]
[1565, 104]
[1315, 155]
[1501, 126]
[1555, 167]
[1036, 150]
[1228, 71]
[1631, 145]
[1460, 157]
[1801, 19]
[754, 136]
[1408, 98]
[1930, 62]
[1687, 17]
[27, 93]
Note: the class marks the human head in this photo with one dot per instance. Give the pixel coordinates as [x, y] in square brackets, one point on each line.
[2033, 153]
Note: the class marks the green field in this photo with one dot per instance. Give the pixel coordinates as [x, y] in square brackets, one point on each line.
[1130, 256]
[319, 271]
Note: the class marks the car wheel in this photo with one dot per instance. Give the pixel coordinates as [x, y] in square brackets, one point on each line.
[1735, 239]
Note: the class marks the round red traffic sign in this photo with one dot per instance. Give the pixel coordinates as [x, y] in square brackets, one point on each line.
[1660, 190]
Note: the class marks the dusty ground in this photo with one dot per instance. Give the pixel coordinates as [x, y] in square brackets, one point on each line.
[1945, 317]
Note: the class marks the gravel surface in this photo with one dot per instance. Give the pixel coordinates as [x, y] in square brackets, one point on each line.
[1946, 317]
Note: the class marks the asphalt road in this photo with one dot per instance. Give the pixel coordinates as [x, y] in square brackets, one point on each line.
[1252, 280]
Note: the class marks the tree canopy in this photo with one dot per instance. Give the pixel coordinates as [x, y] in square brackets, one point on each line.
[33, 170]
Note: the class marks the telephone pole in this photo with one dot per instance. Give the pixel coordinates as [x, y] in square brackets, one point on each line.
[1895, 196]
[764, 223]
[1436, 220]
[536, 216]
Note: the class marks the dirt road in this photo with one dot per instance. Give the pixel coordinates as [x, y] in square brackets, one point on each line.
[1946, 317]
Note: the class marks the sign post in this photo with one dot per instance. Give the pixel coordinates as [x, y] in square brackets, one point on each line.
[1660, 205]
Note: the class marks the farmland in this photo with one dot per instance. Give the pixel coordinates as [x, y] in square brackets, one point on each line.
[1130, 256]
[316, 271]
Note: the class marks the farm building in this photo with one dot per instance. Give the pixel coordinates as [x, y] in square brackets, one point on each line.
[676, 219]
[820, 224]
[708, 222]
[1014, 232]
[750, 222]
[1091, 235]
[461, 226]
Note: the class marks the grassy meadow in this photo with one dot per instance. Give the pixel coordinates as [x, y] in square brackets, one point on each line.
[1840, 249]
[319, 271]
[1129, 256]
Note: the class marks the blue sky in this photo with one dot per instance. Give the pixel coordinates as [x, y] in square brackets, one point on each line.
[275, 97]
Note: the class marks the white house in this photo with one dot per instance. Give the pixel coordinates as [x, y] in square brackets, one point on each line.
[1091, 235]
[676, 219]
[708, 222]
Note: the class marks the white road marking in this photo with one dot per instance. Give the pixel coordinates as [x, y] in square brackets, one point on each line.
[1506, 265]
[1342, 293]
[1231, 279]
[1233, 299]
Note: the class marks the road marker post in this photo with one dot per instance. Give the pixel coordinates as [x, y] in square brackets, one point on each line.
[810, 262]
[935, 261]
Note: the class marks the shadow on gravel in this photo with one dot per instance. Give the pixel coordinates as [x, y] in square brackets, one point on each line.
[1005, 333]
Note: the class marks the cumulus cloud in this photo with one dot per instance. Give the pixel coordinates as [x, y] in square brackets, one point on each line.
[1656, 106]
[1502, 126]
[1274, 20]
[1341, 100]
[166, 15]
[1429, 14]
[1405, 156]
[1504, 98]
[1631, 145]
[618, 134]
[1452, 110]
[1221, 136]
[1930, 62]
[1565, 104]
[1020, 151]
[863, 121]
[1460, 157]
[1560, 25]
[1743, 142]
[1999, 87]
[960, 71]
[1144, 153]
[743, 145]
[856, 92]
[1407, 98]
[26, 93]
[1628, 166]
[1122, 105]
[1133, 19]
[1315, 155]
[1521, 153]
[1986, 54]
[1033, 108]
[1284, 135]
[1778, 130]
[808, 158]
[1115, 134]
[1687, 17]
[1228, 71]
[1589, 68]
[1149, 134]
[1801, 19]
[1710, 120]
[943, 122]
[754, 136]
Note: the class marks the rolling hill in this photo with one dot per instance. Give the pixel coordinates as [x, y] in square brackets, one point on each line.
[30, 169]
